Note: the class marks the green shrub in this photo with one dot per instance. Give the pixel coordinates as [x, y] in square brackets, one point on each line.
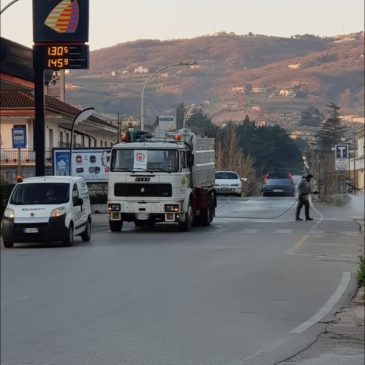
[98, 198]
[361, 272]
[5, 191]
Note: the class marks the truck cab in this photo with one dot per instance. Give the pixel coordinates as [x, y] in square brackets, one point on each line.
[167, 179]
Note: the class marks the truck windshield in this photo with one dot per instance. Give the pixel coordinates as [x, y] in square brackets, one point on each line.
[151, 160]
[43, 193]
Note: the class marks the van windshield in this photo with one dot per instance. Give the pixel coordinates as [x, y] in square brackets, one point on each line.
[43, 193]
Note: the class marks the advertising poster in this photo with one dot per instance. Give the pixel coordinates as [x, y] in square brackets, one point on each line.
[89, 163]
[61, 163]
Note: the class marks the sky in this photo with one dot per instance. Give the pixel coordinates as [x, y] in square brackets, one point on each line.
[117, 21]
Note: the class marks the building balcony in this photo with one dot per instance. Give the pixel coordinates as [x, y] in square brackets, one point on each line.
[11, 157]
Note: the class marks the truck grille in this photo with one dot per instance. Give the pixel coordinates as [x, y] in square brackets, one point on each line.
[123, 189]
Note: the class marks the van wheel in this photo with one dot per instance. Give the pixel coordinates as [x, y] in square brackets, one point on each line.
[69, 239]
[115, 226]
[8, 244]
[186, 226]
[86, 235]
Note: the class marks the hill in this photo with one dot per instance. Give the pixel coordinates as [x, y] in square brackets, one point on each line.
[268, 78]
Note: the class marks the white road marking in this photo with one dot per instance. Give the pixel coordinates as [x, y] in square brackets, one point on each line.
[15, 300]
[268, 348]
[346, 276]
[316, 231]
[283, 231]
[249, 231]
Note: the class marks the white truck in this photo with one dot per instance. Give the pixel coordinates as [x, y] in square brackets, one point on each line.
[169, 179]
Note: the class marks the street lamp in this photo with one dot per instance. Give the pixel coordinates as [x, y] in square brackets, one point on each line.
[82, 115]
[150, 78]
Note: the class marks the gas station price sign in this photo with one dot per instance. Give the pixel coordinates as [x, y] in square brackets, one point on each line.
[64, 56]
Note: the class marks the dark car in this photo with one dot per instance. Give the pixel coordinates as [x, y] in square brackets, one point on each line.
[278, 183]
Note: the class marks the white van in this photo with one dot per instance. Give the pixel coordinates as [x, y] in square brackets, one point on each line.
[47, 208]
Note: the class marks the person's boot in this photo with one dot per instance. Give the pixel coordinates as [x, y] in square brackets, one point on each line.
[298, 219]
[309, 219]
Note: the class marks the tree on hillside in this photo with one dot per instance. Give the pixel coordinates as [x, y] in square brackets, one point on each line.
[248, 88]
[200, 123]
[270, 148]
[331, 130]
[301, 144]
[180, 115]
[311, 117]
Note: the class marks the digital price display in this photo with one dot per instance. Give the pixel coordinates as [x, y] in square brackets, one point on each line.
[64, 56]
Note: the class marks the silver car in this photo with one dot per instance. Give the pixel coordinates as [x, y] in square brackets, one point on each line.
[228, 182]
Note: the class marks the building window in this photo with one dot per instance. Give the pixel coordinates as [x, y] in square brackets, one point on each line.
[61, 137]
[95, 143]
[67, 138]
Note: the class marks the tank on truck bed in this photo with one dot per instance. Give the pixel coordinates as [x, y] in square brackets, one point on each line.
[203, 170]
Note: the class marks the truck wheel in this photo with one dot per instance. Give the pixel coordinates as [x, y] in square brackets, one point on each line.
[138, 223]
[69, 239]
[186, 226]
[213, 203]
[205, 217]
[8, 244]
[86, 235]
[115, 226]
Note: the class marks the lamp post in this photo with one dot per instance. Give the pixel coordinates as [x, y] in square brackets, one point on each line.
[83, 114]
[151, 77]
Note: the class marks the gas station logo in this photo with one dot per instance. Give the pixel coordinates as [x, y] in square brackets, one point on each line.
[64, 17]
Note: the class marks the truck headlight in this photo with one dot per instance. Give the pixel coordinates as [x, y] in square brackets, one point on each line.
[9, 213]
[172, 208]
[57, 212]
[113, 207]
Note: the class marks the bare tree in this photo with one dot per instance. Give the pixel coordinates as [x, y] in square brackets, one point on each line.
[229, 157]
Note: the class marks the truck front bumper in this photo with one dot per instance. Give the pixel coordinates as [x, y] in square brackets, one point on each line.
[131, 211]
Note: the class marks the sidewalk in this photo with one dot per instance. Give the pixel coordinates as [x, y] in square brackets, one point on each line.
[343, 341]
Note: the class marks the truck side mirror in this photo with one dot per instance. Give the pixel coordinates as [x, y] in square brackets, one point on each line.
[190, 160]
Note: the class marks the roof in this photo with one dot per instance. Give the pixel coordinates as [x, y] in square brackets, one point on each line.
[16, 61]
[151, 145]
[17, 100]
[53, 179]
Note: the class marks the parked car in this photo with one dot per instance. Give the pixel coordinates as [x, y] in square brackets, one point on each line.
[47, 208]
[278, 183]
[228, 182]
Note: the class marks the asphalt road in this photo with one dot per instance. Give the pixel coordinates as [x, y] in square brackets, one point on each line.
[255, 287]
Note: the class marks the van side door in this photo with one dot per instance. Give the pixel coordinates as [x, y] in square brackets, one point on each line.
[84, 195]
[77, 210]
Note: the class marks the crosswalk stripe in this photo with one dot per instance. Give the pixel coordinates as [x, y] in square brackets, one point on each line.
[283, 231]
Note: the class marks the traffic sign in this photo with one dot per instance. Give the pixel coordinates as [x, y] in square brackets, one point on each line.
[19, 137]
[342, 157]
